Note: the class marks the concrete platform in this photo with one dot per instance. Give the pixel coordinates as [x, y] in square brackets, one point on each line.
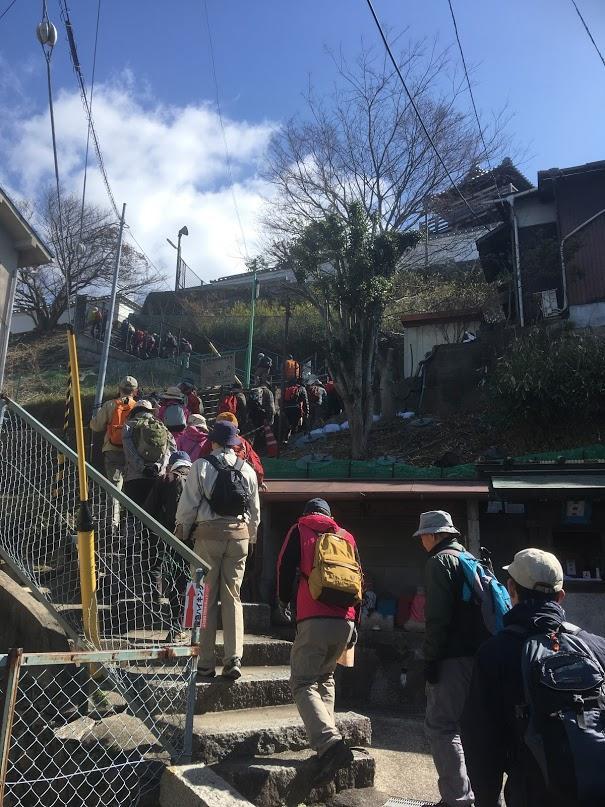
[258, 687]
[257, 617]
[262, 732]
[197, 786]
[290, 778]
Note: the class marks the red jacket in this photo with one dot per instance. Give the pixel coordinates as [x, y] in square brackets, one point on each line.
[244, 452]
[194, 441]
[299, 550]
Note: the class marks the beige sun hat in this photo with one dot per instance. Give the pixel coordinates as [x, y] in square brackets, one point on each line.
[536, 570]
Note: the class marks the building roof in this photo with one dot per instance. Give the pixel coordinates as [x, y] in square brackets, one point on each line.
[560, 484]
[586, 168]
[436, 317]
[31, 249]
[288, 490]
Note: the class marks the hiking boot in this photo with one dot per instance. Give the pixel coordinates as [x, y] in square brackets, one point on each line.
[206, 672]
[338, 756]
[233, 669]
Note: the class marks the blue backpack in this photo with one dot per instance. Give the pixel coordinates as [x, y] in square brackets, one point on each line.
[482, 588]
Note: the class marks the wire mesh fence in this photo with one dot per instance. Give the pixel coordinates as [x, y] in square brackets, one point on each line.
[142, 572]
[76, 729]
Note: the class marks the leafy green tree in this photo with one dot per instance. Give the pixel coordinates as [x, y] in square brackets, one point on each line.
[345, 267]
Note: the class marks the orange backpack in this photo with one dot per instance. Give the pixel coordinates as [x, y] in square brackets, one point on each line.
[123, 407]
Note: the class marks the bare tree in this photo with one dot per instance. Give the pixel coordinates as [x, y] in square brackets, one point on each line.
[364, 143]
[84, 261]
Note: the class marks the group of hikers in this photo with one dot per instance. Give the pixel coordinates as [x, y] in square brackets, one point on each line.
[515, 694]
[139, 342]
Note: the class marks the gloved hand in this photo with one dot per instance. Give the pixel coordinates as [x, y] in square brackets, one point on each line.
[431, 672]
[354, 638]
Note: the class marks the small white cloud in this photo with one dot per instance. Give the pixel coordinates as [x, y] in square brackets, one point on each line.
[167, 163]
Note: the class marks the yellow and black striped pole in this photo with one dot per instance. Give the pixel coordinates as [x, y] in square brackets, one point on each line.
[86, 535]
[61, 457]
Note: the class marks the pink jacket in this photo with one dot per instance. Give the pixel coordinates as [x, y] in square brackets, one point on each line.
[193, 441]
[309, 528]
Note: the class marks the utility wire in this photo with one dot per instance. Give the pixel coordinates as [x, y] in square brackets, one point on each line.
[585, 24]
[76, 66]
[472, 95]
[419, 116]
[7, 9]
[220, 117]
[92, 89]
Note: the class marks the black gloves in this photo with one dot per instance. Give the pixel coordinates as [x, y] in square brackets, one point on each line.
[431, 671]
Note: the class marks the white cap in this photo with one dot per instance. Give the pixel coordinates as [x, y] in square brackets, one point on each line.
[536, 570]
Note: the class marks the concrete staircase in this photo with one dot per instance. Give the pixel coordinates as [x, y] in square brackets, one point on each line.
[248, 733]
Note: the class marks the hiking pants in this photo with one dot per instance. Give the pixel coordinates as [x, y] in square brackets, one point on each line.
[445, 702]
[223, 545]
[114, 471]
[318, 645]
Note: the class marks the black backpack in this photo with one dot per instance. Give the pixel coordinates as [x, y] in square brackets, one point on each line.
[562, 722]
[230, 496]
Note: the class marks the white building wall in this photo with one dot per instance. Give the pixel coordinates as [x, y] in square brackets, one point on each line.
[421, 339]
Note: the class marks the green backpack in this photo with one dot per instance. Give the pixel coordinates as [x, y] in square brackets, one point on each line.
[150, 438]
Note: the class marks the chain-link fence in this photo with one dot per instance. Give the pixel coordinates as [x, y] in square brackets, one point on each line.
[142, 573]
[75, 726]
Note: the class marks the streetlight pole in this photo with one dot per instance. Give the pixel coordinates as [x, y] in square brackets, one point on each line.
[183, 231]
[251, 329]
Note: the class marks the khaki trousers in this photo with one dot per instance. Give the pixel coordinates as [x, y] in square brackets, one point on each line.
[223, 545]
[318, 645]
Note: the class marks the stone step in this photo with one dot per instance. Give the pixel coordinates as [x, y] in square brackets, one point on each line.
[257, 617]
[257, 688]
[258, 650]
[262, 732]
[290, 778]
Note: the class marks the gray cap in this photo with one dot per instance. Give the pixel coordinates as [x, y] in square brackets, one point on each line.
[434, 522]
[536, 570]
[128, 383]
[317, 506]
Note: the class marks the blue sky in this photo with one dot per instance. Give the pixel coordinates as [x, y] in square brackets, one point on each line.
[533, 55]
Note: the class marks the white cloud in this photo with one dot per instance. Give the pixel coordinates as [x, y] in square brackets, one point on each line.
[167, 163]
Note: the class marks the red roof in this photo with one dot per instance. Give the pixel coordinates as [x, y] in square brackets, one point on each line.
[285, 490]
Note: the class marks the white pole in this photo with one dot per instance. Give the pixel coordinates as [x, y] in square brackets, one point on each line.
[5, 323]
[108, 327]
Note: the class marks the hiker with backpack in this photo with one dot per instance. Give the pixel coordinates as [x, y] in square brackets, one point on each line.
[170, 345]
[194, 439]
[173, 412]
[111, 418]
[327, 609]
[295, 409]
[235, 402]
[264, 365]
[193, 402]
[453, 633]
[161, 503]
[147, 448]
[245, 450]
[536, 705]
[219, 512]
[186, 348]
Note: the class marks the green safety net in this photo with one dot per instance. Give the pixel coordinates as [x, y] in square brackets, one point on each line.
[378, 469]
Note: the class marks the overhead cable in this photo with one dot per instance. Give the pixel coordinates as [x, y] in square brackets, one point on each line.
[588, 31]
[222, 124]
[8, 8]
[76, 66]
[419, 116]
[92, 89]
[472, 95]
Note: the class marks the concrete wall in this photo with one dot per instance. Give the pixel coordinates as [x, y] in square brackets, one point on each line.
[421, 339]
[25, 622]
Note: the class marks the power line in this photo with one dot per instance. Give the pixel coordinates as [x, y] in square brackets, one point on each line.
[76, 66]
[220, 117]
[8, 8]
[419, 116]
[472, 95]
[92, 89]
[585, 24]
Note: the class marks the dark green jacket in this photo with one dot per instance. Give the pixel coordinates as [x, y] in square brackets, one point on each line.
[448, 632]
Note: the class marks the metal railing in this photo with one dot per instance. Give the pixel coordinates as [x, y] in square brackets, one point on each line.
[72, 729]
[141, 570]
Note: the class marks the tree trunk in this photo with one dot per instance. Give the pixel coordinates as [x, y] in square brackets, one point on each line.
[388, 406]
